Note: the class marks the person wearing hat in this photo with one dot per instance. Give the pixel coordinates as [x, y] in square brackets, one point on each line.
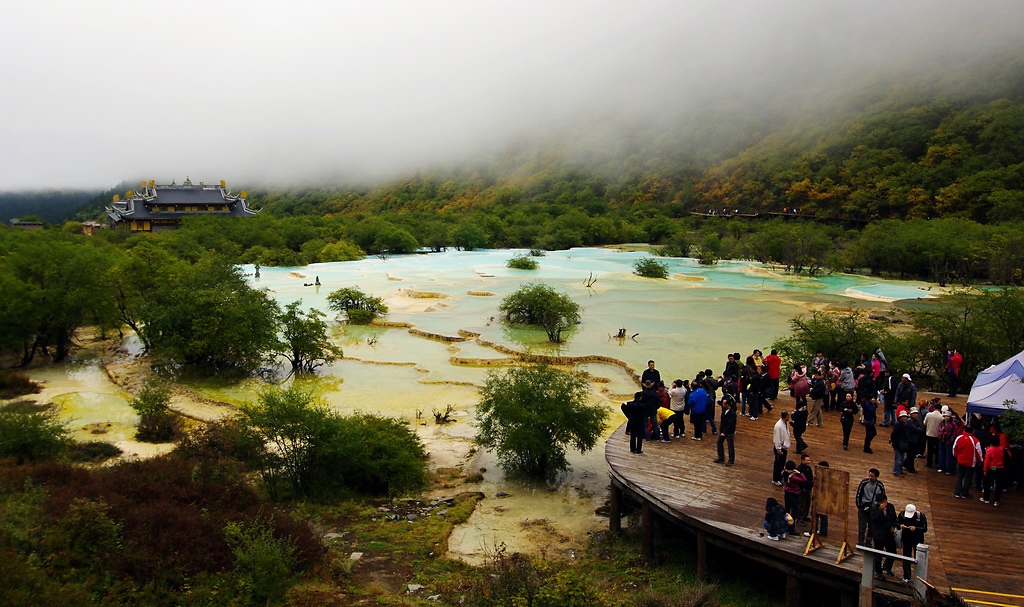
[899, 438]
[906, 391]
[912, 525]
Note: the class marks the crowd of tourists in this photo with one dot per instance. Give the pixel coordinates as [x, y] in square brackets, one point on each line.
[867, 392]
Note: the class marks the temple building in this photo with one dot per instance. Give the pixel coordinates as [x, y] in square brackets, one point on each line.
[156, 208]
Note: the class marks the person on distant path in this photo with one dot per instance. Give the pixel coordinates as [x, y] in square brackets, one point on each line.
[780, 446]
[953, 361]
[883, 523]
[650, 374]
[868, 418]
[967, 452]
[888, 390]
[912, 525]
[995, 463]
[636, 422]
[651, 404]
[774, 365]
[932, 421]
[847, 414]
[727, 431]
[870, 492]
[698, 404]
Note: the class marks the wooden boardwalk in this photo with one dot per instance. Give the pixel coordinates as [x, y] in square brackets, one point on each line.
[973, 545]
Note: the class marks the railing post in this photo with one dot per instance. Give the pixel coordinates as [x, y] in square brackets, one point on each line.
[867, 579]
[921, 572]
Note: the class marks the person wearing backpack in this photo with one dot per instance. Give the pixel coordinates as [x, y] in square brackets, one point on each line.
[912, 525]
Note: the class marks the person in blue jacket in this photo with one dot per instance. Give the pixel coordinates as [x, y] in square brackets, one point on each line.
[698, 402]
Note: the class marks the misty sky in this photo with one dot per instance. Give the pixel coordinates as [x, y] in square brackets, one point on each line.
[285, 92]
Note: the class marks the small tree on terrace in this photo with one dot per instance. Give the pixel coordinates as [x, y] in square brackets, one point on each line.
[305, 342]
[529, 415]
[539, 304]
[358, 307]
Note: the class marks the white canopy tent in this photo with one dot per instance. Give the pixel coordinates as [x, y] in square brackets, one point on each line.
[1013, 366]
[989, 399]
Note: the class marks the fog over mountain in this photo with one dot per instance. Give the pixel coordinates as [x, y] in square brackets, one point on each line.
[279, 93]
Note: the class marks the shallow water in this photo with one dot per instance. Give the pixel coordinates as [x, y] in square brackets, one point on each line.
[686, 323]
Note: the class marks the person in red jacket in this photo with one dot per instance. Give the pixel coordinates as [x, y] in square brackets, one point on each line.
[774, 364]
[953, 361]
[994, 466]
[967, 453]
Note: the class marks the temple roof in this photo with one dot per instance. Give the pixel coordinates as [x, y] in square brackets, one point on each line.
[152, 201]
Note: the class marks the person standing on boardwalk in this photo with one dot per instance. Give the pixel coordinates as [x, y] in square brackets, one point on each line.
[870, 492]
[727, 431]
[888, 390]
[949, 429]
[995, 463]
[883, 524]
[652, 401]
[636, 422]
[932, 421]
[915, 440]
[677, 402]
[869, 415]
[967, 453]
[756, 392]
[781, 444]
[774, 365]
[792, 486]
[819, 390]
[912, 525]
[906, 392]
[667, 416]
[807, 470]
[650, 374]
[799, 419]
[698, 404]
[953, 361]
[899, 438]
[711, 386]
[847, 413]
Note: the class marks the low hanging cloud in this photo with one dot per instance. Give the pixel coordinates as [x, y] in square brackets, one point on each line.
[271, 92]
